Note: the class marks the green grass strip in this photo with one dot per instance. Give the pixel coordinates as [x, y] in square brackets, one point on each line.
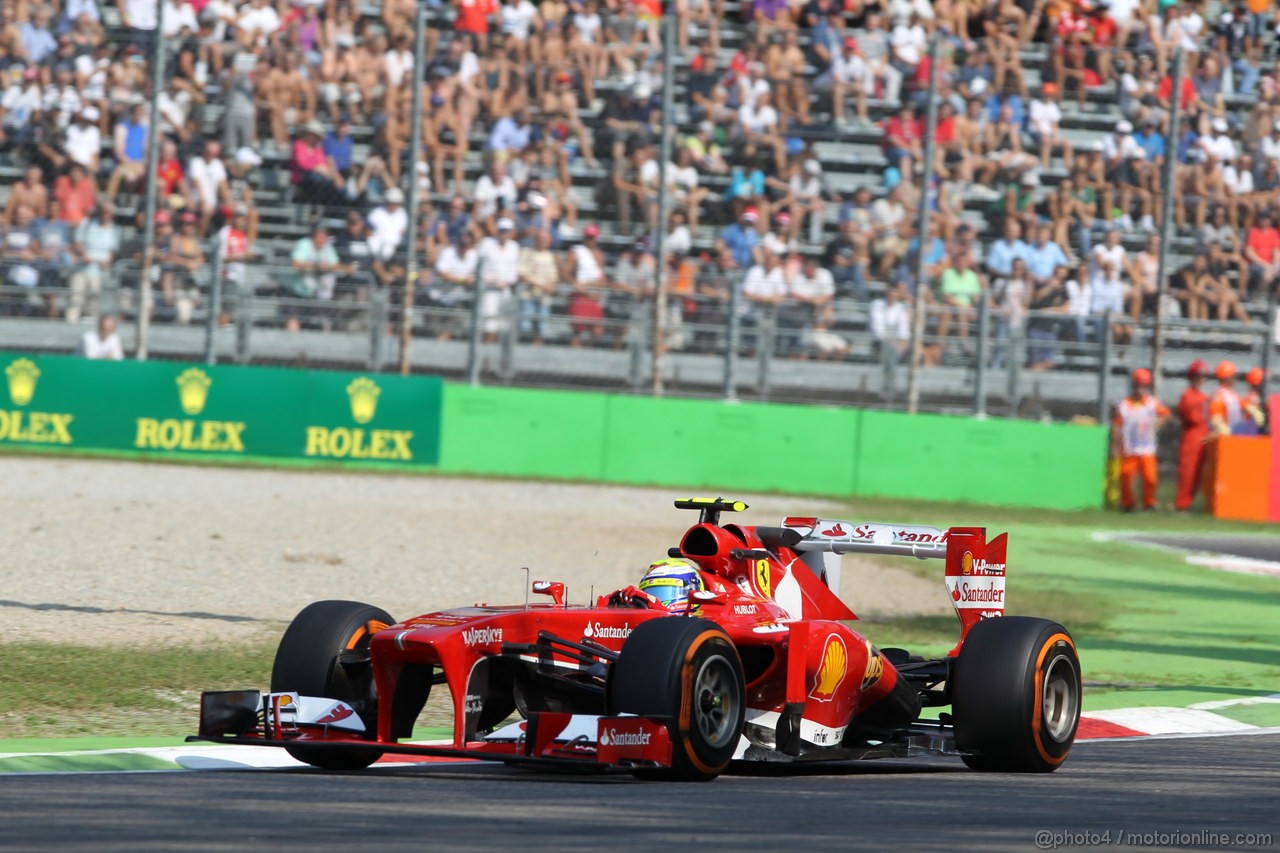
[84, 763]
[85, 744]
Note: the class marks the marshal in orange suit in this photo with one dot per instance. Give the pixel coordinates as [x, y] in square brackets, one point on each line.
[1138, 418]
[1193, 412]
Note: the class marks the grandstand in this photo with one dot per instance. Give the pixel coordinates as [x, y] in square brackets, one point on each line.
[791, 141]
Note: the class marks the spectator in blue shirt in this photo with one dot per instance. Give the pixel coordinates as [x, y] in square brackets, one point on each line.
[742, 237]
[1188, 143]
[1151, 140]
[510, 133]
[935, 258]
[455, 221]
[1044, 256]
[1013, 100]
[339, 145]
[36, 38]
[1007, 249]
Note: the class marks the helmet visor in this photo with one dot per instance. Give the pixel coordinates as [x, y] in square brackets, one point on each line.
[670, 591]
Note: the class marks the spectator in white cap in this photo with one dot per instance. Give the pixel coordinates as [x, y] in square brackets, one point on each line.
[1270, 145]
[499, 272]
[240, 186]
[388, 223]
[495, 192]
[1118, 151]
[208, 178]
[83, 142]
[1218, 144]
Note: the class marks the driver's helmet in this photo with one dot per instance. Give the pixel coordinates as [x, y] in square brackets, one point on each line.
[670, 581]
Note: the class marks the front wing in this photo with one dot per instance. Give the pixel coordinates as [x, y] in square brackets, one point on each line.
[247, 717]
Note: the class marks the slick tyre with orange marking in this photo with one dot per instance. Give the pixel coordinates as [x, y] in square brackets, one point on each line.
[1015, 695]
[686, 670]
[307, 662]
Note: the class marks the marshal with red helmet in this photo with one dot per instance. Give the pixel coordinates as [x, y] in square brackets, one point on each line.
[736, 648]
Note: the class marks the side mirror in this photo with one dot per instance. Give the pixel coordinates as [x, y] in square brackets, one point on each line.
[703, 596]
[555, 589]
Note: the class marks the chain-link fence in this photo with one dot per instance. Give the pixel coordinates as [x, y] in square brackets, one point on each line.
[1000, 215]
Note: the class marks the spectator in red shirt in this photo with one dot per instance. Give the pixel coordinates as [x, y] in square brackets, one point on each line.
[169, 172]
[1262, 251]
[76, 193]
[1164, 93]
[473, 18]
[902, 134]
[1102, 35]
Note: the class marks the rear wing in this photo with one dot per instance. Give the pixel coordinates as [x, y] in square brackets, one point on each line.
[974, 568]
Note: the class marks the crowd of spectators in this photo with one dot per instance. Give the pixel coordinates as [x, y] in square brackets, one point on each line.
[536, 95]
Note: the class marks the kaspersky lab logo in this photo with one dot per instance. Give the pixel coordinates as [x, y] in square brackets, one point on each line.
[23, 376]
[357, 442]
[190, 433]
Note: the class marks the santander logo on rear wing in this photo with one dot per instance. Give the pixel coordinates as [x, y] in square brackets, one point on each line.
[975, 568]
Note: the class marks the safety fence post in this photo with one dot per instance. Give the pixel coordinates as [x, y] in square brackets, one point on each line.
[734, 334]
[215, 299]
[473, 343]
[244, 319]
[980, 357]
[1104, 368]
[378, 304]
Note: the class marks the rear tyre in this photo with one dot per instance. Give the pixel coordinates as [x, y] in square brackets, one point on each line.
[1015, 696]
[307, 663]
[689, 671]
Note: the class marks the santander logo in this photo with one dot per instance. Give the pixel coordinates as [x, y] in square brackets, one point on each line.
[837, 530]
[613, 737]
[606, 632]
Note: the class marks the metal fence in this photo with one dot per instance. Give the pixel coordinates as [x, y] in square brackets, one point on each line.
[1042, 365]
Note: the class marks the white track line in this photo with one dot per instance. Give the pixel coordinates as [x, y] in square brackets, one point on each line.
[1157, 720]
[1273, 699]
[1256, 730]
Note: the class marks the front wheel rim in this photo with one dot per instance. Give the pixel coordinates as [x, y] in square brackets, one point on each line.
[1060, 698]
[714, 700]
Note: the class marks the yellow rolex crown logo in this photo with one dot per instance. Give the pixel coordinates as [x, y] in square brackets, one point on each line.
[22, 375]
[193, 390]
[363, 392]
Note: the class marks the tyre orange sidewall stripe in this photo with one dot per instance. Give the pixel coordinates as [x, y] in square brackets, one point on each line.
[686, 700]
[1037, 717]
[371, 627]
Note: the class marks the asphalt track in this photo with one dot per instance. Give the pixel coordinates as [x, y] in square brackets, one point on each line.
[1249, 547]
[1216, 784]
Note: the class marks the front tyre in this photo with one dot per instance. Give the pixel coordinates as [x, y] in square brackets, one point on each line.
[1015, 696]
[689, 671]
[307, 663]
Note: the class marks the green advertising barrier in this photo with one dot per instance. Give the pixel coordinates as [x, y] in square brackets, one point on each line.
[229, 413]
[689, 444]
[1008, 462]
[218, 413]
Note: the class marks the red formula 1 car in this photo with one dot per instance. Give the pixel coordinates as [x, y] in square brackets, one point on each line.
[761, 666]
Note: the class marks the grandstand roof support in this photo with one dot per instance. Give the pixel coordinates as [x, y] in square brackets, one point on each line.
[659, 342]
[922, 228]
[1166, 223]
[153, 154]
[415, 151]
